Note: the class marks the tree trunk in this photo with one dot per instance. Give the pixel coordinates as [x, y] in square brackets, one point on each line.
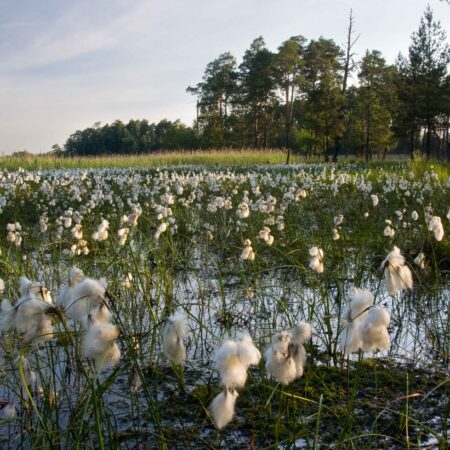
[411, 142]
[428, 140]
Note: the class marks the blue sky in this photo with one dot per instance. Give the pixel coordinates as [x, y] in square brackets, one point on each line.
[65, 65]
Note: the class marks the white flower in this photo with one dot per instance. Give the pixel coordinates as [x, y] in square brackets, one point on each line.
[338, 220]
[336, 235]
[122, 234]
[13, 236]
[127, 280]
[435, 225]
[102, 231]
[98, 343]
[375, 199]
[265, 235]
[88, 297]
[350, 340]
[175, 329]
[301, 193]
[414, 215]
[43, 221]
[374, 332]
[75, 276]
[316, 259]
[397, 274]
[222, 407]
[420, 260]
[8, 412]
[30, 314]
[233, 359]
[77, 232]
[243, 211]
[300, 333]
[162, 228]
[247, 252]
[388, 231]
[67, 222]
[279, 362]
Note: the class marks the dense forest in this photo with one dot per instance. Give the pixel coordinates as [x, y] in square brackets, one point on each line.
[301, 98]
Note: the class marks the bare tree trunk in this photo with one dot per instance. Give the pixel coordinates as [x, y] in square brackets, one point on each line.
[348, 66]
[428, 140]
[411, 142]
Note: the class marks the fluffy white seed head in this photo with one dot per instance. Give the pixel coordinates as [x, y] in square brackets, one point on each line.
[99, 345]
[86, 295]
[397, 274]
[301, 333]
[175, 329]
[232, 372]
[222, 407]
[350, 339]
[375, 335]
[248, 353]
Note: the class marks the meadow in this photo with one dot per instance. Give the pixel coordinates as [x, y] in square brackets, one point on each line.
[238, 244]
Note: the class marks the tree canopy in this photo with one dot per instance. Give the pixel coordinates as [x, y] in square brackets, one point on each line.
[299, 98]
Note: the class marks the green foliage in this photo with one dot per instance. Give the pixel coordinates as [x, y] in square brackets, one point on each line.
[135, 137]
[298, 98]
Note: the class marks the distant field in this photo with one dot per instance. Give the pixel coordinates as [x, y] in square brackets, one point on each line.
[245, 157]
[203, 157]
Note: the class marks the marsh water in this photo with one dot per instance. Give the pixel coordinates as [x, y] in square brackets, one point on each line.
[218, 306]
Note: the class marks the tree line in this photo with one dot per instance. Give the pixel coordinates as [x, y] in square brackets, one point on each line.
[300, 98]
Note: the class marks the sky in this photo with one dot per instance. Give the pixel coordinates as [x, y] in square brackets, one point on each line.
[65, 65]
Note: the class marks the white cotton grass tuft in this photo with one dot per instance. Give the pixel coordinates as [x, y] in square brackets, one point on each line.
[75, 276]
[247, 252]
[419, 260]
[435, 225]
[8, 412]
[87, 297]
[232, 360]
[374, 330]
[388, 231]
[397, 274]
[30, 314]
[34, 288]
[360, 301]
[375, 199]
[175, 329]
[232, 372]
[264, 234]
[316, 259]
[99, 343]
[338, 220]
[249, 355]
[300, 333]
[336, 235]
[222, 407]
[279, 363]
[102, 231]
[29, 375]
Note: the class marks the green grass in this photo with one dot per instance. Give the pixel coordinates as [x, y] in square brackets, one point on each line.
[361, 402]
[246, 157]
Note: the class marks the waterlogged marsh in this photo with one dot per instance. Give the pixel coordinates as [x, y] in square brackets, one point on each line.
[172, 240]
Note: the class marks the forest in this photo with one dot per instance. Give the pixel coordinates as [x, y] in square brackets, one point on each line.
[311, 98]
